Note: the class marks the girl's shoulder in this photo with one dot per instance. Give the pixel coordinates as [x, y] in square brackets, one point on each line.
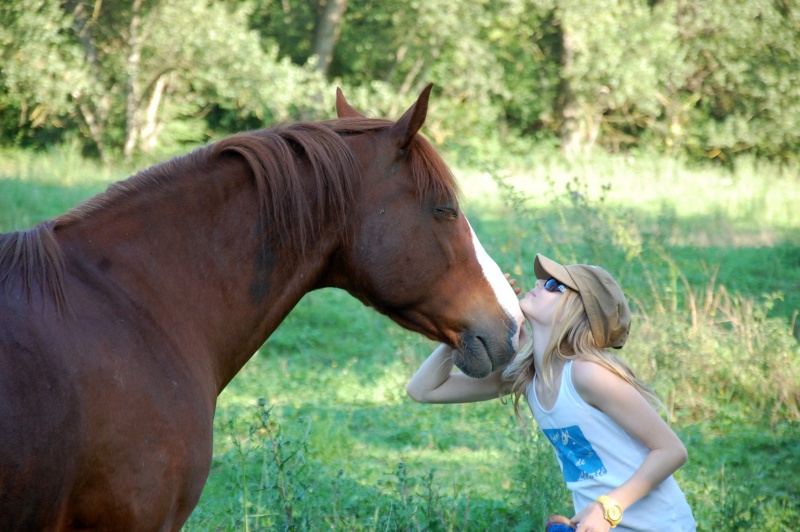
[588, 371]
[594, 382]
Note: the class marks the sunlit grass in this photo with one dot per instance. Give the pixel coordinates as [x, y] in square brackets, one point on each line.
[36, 187]
[61, 166]
[751, 205]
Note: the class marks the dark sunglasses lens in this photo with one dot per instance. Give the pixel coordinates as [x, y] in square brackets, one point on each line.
[551, 285]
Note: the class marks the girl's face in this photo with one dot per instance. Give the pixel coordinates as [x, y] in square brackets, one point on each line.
[540, 304]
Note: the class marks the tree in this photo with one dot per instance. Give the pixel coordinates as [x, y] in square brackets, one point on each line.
[121, 68]
[327, 29]
[712, 78]
[41, 68]
[615, 58]
[742, 89]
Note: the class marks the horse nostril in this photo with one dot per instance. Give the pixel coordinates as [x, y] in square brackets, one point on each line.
[485, 345]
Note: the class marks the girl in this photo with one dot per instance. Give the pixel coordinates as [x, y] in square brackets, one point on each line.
[616, 453]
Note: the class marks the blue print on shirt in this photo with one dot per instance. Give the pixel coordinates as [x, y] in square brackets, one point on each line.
[579, 461]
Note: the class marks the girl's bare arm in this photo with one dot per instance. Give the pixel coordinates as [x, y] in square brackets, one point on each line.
[619, 400]
[435, 382]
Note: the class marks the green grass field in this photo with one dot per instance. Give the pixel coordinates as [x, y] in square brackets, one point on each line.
[316, 432]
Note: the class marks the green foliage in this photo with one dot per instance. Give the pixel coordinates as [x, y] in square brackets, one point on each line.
[35, 187]
[39, 70]
[63, 66]
[37, 60]
[742, 89]
[705, 79]
[625, 54]
[742, 480]
[280, 497]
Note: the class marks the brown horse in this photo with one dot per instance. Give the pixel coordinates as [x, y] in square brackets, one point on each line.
[123, 319]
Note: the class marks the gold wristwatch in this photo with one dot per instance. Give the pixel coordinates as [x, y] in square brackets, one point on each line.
[612, 511]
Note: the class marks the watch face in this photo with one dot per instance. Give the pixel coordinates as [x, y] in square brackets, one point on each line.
[614, 513]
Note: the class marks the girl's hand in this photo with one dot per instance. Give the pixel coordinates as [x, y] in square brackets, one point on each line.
[513, 283]
[591, 519]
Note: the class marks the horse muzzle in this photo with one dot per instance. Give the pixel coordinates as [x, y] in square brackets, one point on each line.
[480, 353]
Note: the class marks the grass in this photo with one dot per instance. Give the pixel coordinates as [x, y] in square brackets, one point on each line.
[34, 188]
[316, 431]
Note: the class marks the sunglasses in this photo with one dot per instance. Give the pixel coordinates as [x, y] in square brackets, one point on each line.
[552, 285]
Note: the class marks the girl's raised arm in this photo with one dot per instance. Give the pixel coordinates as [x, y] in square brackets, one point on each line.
[435, 382]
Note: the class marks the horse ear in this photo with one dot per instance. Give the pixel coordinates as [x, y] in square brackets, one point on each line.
[343, 109]
[412, 120]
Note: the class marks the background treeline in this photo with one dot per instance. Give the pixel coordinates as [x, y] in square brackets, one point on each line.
[705, 79]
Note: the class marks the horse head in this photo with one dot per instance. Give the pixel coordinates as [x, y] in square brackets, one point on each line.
[414, 256]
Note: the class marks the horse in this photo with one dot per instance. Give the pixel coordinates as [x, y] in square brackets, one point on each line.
[123, 319]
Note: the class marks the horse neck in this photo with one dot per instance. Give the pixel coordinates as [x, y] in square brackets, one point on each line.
[194, 258]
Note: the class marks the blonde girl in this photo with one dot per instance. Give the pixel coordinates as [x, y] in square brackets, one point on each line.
[616, 453]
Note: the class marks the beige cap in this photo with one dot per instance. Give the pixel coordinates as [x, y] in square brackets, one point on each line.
[605, 304]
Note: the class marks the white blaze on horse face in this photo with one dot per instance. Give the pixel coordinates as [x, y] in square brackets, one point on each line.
[497, 280]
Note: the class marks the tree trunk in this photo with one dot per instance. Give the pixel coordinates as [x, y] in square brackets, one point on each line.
[152, 127]
[94, 109]
[580, 120]
[96, 129]
[327, 29]
[568, 108]
[132, 89]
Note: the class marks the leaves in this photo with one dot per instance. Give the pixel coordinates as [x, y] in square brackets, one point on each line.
[712, 79]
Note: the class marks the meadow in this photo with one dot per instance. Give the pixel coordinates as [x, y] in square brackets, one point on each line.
[317, 433]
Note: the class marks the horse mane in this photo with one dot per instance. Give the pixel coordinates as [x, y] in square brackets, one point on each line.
[291, 208]
[275, 156]
[35, 256]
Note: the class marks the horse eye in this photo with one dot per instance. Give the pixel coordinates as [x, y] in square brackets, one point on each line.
[445, 213]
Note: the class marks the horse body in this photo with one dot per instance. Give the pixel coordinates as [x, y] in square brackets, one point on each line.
[122, 320]
[121, 384]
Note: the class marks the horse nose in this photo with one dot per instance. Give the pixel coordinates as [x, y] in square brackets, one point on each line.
[482, 352]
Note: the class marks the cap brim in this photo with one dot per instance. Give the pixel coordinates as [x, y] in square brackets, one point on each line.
[545, 268]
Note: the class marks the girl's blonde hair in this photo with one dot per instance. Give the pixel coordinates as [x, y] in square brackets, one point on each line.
[570, 339]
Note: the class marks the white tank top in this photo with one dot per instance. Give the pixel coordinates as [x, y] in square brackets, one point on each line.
[596, 455]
